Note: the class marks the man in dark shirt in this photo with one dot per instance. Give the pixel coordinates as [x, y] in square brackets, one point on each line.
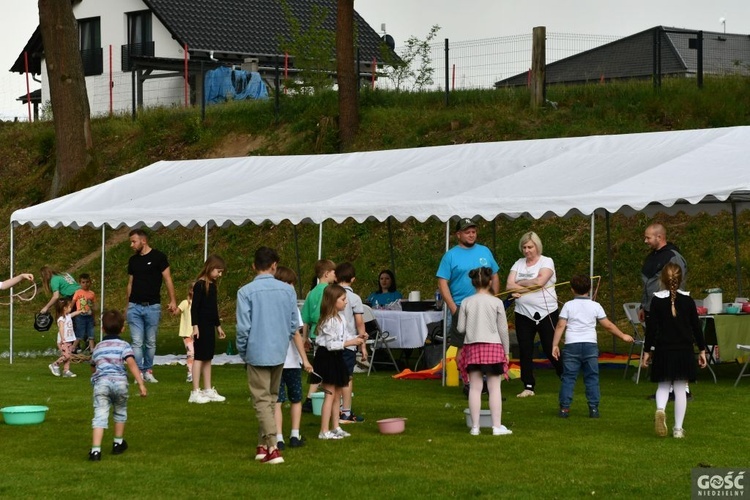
[147, 269]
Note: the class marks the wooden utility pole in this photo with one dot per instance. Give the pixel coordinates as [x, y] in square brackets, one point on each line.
[538, 67]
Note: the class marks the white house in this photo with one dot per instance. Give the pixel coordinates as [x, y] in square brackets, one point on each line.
[141, 43]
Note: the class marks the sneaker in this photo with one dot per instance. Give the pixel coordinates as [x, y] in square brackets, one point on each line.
[119, 449]
[526, 393]
[341, 432]
[95, 456]
[148, 376]
[307, 406]
[212, 395]
[660, 423]
[474, 431]
[329, 435]
[501, 431]
[351, 419]
[54, 369]
[296, 442]
[280, 445]
[261, 452]
[198, 397]
[69, 374]
[564, 412]
[359, 369]
[678, 433]
[593, 412]
[189, 378]
[273, 457]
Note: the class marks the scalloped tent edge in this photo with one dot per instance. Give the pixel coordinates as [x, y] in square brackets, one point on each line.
[690, 170]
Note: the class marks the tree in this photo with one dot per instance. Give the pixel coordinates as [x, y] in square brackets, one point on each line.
[415, 65]
[70, 102]
[347, 73]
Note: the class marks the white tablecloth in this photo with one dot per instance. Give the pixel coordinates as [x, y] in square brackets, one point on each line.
[408, 328]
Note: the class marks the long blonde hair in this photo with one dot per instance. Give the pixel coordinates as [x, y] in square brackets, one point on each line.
[671, 277]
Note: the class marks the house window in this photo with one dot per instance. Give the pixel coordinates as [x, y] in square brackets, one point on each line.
[90, 45]
[140, 40]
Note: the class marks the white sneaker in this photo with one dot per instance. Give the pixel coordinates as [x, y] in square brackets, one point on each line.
[525, 394]
[54, 369]
[501, 431]
[198, 397]
[474, 431]
[69, 374]
[328, 435]
[341, 432]
[148, 376]
[212, 395]
[189, 378]
[678, 433]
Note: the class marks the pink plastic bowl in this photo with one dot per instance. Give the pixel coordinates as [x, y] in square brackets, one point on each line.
[392, 425]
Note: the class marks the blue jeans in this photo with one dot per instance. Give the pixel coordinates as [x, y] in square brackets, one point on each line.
[576, 357]
[108, 394]
[144, 323]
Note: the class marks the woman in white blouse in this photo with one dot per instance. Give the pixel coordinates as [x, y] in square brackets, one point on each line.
[536, 310]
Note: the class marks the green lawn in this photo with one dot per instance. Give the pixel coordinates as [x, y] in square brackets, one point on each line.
[178, 449]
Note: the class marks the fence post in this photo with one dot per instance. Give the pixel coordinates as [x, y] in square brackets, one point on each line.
[538, 66]
[447, 71]
[699, 69]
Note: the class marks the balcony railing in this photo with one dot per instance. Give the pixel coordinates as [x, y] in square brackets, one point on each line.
[135, 49]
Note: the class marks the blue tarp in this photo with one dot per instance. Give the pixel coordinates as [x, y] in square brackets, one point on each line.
[223, 84]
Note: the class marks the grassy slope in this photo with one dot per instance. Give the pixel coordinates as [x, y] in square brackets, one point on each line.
[389, 120]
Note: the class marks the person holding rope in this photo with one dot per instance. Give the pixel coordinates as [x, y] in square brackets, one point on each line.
[11, 282]
[532, 281]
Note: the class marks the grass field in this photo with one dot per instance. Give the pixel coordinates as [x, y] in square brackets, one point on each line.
[183, 450]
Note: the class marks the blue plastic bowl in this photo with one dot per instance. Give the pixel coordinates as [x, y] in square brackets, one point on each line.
[24, 415]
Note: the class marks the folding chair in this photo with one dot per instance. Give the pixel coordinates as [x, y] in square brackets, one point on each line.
[745, 348]
[378, 340]
[639, 334]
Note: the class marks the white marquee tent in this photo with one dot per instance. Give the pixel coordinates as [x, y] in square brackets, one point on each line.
[516, 178]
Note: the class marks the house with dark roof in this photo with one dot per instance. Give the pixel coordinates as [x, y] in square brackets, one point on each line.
[672, 52]
[139, 49]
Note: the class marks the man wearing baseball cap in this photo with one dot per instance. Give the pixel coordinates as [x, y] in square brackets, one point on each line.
[453, 273]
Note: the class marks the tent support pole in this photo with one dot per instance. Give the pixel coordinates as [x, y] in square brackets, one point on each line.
[101, 280]
[205, 243]
[11, 294]
[320, 241]
[445, 307]
[296, 253]
[390, 244]
[612, 314]
[737, 250]
[591, 248]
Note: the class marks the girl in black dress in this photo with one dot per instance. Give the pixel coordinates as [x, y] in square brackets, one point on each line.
[204, 313]
[672, 327]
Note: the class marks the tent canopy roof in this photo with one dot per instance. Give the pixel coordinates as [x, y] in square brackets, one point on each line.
[516, 178]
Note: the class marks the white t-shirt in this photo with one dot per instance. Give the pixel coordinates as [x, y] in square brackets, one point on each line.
[582, 314]
[353, 306]
[543, 301]
[293, 359]
[68, 334]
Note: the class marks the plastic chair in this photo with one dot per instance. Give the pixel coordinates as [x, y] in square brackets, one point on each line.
[378, 340]
[639, 333]
[745, 348]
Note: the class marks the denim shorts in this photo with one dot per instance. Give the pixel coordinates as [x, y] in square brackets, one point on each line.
[350, 359]
[83, 325]
[108, 394]
[291, 379]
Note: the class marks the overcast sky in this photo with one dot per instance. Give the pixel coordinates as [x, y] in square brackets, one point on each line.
[460, 20]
